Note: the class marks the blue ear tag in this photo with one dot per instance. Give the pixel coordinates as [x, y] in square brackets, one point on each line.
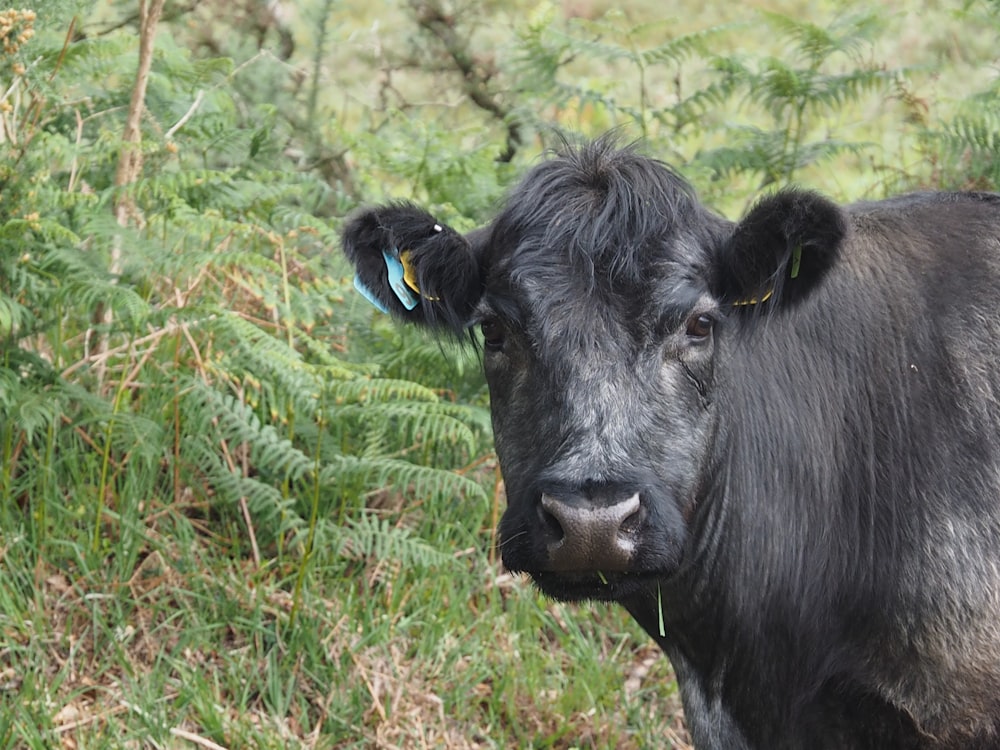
[369, 295]
[397, 281]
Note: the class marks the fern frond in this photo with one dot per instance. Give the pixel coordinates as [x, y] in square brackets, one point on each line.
[836, 91]
[87, 59]
[127, 304]
[433, 484]
[228, 419]
[412, 422]
[182, 71]
[133, 435]
[27, 409]
[969, 145]
[683, 48]
[594, 45]
[691, 109]
[330, 367]
[378, 390]
[252, 354]
[815, 44]
[294, 217]
[271, 510]
[369, 537]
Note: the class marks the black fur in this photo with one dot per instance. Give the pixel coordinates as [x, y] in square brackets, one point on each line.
[817, 544]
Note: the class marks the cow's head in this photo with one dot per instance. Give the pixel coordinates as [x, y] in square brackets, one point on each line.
[606, 295]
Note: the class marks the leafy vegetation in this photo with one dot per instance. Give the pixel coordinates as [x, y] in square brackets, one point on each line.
[240, 508]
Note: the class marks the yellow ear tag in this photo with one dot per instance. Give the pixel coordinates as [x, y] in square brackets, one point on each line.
[754, 300]
[410, 276]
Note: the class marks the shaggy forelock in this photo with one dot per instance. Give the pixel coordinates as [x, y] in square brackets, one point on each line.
[603, 211]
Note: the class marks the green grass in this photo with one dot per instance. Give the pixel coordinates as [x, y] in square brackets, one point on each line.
[186, 644]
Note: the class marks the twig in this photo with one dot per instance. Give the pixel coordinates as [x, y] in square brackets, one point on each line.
[197, 739]
[101, 715]
[254, 549]
[476, 72]
[498, 490]
[372, 691]
[187, 115]
[62, 53]
[244, 508]
[143, 359]
[75, 164]
[102, 357]
[121, 708]
[130, 164]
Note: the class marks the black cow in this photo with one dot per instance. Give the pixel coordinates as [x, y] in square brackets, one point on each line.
[775, 442]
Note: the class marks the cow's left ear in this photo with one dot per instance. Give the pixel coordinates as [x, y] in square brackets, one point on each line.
[413, 267]
[781, 249]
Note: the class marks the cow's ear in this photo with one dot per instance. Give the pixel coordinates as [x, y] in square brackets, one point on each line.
[781, 249]
[413, 267]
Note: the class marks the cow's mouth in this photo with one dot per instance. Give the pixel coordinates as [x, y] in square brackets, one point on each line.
[594, 585]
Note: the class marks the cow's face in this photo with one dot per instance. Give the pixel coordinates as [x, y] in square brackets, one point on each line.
[602, 415]
[599, 339]
[605, 294]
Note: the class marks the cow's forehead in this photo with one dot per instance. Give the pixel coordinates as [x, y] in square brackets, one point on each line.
[598, 235]
[551, 277]
[568, 315]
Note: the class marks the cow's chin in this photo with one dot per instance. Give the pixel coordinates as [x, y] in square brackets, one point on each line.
[594, 586]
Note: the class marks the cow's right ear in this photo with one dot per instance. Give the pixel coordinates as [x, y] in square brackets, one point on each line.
[413, 267]
[780, 250]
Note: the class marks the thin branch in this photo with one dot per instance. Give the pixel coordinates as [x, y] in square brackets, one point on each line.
[197, 739]
[74, 165]
[476, 73]
[244, 508]
[130, 162]
[99, 359]
[187, 115]
[176, 11]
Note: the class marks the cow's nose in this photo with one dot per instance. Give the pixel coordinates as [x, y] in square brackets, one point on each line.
[586, 532]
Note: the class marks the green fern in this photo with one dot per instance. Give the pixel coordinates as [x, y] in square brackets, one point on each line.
[273, 512]
[848, 34]
[797, 92]
[967, 148]
[766, 153]
[225, 347]
[548, 54]
[369, 537]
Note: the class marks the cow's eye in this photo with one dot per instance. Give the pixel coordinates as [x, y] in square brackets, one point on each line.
[492, 335]
[699, 327]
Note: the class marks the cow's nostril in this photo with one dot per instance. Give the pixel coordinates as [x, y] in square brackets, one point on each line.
[630, 524]
[553, 529]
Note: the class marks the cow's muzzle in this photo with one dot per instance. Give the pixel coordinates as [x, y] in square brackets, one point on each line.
[590, 531]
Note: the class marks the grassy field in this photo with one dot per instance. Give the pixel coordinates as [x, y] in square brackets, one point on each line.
[196, 549]
[166, 639]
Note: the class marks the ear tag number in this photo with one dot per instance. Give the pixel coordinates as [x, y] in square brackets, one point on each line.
[369, 295]
[397, 281]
